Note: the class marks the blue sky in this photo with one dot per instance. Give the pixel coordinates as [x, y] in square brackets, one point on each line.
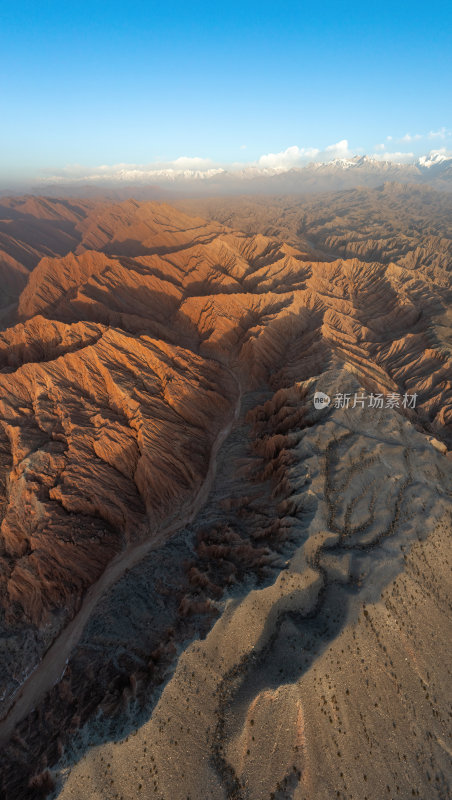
[136, 83]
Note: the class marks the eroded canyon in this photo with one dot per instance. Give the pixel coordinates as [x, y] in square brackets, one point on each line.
[210, 588]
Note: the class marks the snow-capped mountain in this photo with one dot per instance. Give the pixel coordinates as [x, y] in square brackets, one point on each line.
[434, 169]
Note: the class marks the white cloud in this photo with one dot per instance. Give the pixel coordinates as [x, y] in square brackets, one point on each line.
[186, 162]
[398, 158]
[291, 157]
[295, 156]
[338, 150]
[379, 146]
[411, 138]
[441, 133]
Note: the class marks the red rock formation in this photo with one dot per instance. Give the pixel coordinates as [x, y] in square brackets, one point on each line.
[126, 364]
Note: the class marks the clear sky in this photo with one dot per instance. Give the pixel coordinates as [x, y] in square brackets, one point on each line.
[106, 83]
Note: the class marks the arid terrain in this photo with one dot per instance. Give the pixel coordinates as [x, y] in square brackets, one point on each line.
[210, 587]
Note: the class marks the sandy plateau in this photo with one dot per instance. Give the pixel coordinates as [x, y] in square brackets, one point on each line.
[210, 589]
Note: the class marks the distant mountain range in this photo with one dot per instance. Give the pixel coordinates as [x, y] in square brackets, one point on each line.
[434, 169]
